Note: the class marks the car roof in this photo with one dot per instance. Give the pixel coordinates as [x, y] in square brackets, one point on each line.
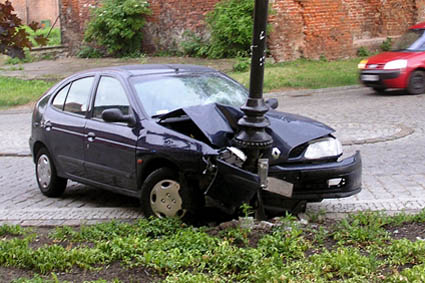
[418, 26]
[148, 69]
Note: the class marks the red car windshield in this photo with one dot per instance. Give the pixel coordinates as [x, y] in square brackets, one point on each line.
[412, 40]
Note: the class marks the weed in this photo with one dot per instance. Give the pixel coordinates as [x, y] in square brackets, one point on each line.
[363, 52]
[387, 44]
[242, 65]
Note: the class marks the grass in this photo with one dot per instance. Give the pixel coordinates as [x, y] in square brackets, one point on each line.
[304, 73]
[358, 249]
[296, 74]
[17, 92]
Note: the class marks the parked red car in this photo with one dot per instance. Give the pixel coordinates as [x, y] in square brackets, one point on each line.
[401, 68]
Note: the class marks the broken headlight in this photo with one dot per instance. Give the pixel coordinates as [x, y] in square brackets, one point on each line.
[323, 148]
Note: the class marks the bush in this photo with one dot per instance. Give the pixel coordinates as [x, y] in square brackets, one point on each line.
[117, 24]
[89, 52]
[363, 52]
[242, 65]
[231, 27]
[386, 45]
[54, 38]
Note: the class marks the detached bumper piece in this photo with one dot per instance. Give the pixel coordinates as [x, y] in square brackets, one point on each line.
[314, 182]
[376, 78]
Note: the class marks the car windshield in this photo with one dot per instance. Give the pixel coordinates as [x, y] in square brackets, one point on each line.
[412, 40]
[162, 94]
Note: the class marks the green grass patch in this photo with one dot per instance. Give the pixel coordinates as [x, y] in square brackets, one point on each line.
[302, 73]
[17, 92]
[357, 249]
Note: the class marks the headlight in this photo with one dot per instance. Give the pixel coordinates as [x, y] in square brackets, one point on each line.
[327, 147]
[396, 64]
[362, 64]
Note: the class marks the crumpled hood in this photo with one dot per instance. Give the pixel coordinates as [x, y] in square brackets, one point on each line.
[219, 123]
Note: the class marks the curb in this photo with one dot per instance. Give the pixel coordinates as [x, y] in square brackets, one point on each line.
[308, 92]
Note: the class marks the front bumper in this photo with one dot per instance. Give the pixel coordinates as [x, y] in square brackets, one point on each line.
[383, 78]
[311, 181]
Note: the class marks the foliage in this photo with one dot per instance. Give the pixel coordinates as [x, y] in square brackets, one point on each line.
[194, 45]
[355, 250]
[87, 51]
[242, 64]
[13, 37]
[363, 52]
[16, 91]
[387, 44]
[116, 25]
[230, 26]
[53, 36]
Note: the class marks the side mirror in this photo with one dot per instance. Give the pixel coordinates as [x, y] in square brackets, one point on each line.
[272, 103]
[115, 115]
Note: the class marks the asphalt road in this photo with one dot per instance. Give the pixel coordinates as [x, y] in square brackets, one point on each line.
[389, 130]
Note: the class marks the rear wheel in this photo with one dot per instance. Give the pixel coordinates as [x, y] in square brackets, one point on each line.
[49, 183]
[164, 194]
[416, 83]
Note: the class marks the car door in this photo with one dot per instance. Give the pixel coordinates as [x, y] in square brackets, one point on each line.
[110, 146]
[64, 124]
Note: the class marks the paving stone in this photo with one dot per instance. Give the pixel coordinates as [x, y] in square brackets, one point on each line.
[389, 130]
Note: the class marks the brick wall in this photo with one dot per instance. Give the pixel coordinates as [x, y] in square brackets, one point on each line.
[301, 28]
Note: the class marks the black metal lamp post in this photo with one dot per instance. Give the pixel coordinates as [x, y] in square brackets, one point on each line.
[252, 137]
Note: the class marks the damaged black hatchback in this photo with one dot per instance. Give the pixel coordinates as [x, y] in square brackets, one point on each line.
[163, 133]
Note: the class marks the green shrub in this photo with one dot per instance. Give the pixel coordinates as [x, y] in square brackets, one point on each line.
[54, 38]
[116, 25]
[386, 45]
[363, 52]
[194, 45]
[89, 52]
[231, 26]
[242, 65]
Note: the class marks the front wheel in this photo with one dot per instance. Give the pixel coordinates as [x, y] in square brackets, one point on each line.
[416, 83]
[165, 195]
[49, 183]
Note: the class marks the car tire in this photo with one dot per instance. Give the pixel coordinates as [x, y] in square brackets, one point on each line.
[164, 194]
[416, 83]
[49, 183]
[379, 89]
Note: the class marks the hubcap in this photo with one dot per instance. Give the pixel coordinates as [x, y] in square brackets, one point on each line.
[165, 199]
[44, 171]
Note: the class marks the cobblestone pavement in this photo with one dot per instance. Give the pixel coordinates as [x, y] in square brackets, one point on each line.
[389, 130]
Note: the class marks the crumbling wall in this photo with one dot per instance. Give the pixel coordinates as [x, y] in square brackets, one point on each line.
[300, 28]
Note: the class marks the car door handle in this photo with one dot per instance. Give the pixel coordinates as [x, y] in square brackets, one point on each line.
[91, 136]
[47, 125]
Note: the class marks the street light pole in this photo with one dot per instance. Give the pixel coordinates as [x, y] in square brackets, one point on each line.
[252, 136]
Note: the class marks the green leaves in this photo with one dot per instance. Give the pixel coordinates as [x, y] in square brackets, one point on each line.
[13, 37]
[116, 26]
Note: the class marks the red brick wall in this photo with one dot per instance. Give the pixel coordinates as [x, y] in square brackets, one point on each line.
[301, 28]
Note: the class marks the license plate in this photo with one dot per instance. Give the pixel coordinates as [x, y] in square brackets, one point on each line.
[280, 187]
[370, 78]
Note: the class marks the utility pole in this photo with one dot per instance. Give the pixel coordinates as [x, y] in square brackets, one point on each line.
[252, 137]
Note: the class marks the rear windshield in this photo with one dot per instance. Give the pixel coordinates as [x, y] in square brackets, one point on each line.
[412, 40]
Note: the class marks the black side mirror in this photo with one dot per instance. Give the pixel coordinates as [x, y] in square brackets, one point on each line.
[272, 103]
[116, 115]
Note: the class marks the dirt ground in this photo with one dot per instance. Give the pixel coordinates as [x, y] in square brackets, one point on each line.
[58, 69]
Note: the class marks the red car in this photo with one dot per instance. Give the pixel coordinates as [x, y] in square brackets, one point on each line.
[401, 68]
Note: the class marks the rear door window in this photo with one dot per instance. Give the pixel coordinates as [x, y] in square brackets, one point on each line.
[60, 97]
[78, 96]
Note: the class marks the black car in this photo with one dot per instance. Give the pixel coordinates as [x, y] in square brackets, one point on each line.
[163, 134]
